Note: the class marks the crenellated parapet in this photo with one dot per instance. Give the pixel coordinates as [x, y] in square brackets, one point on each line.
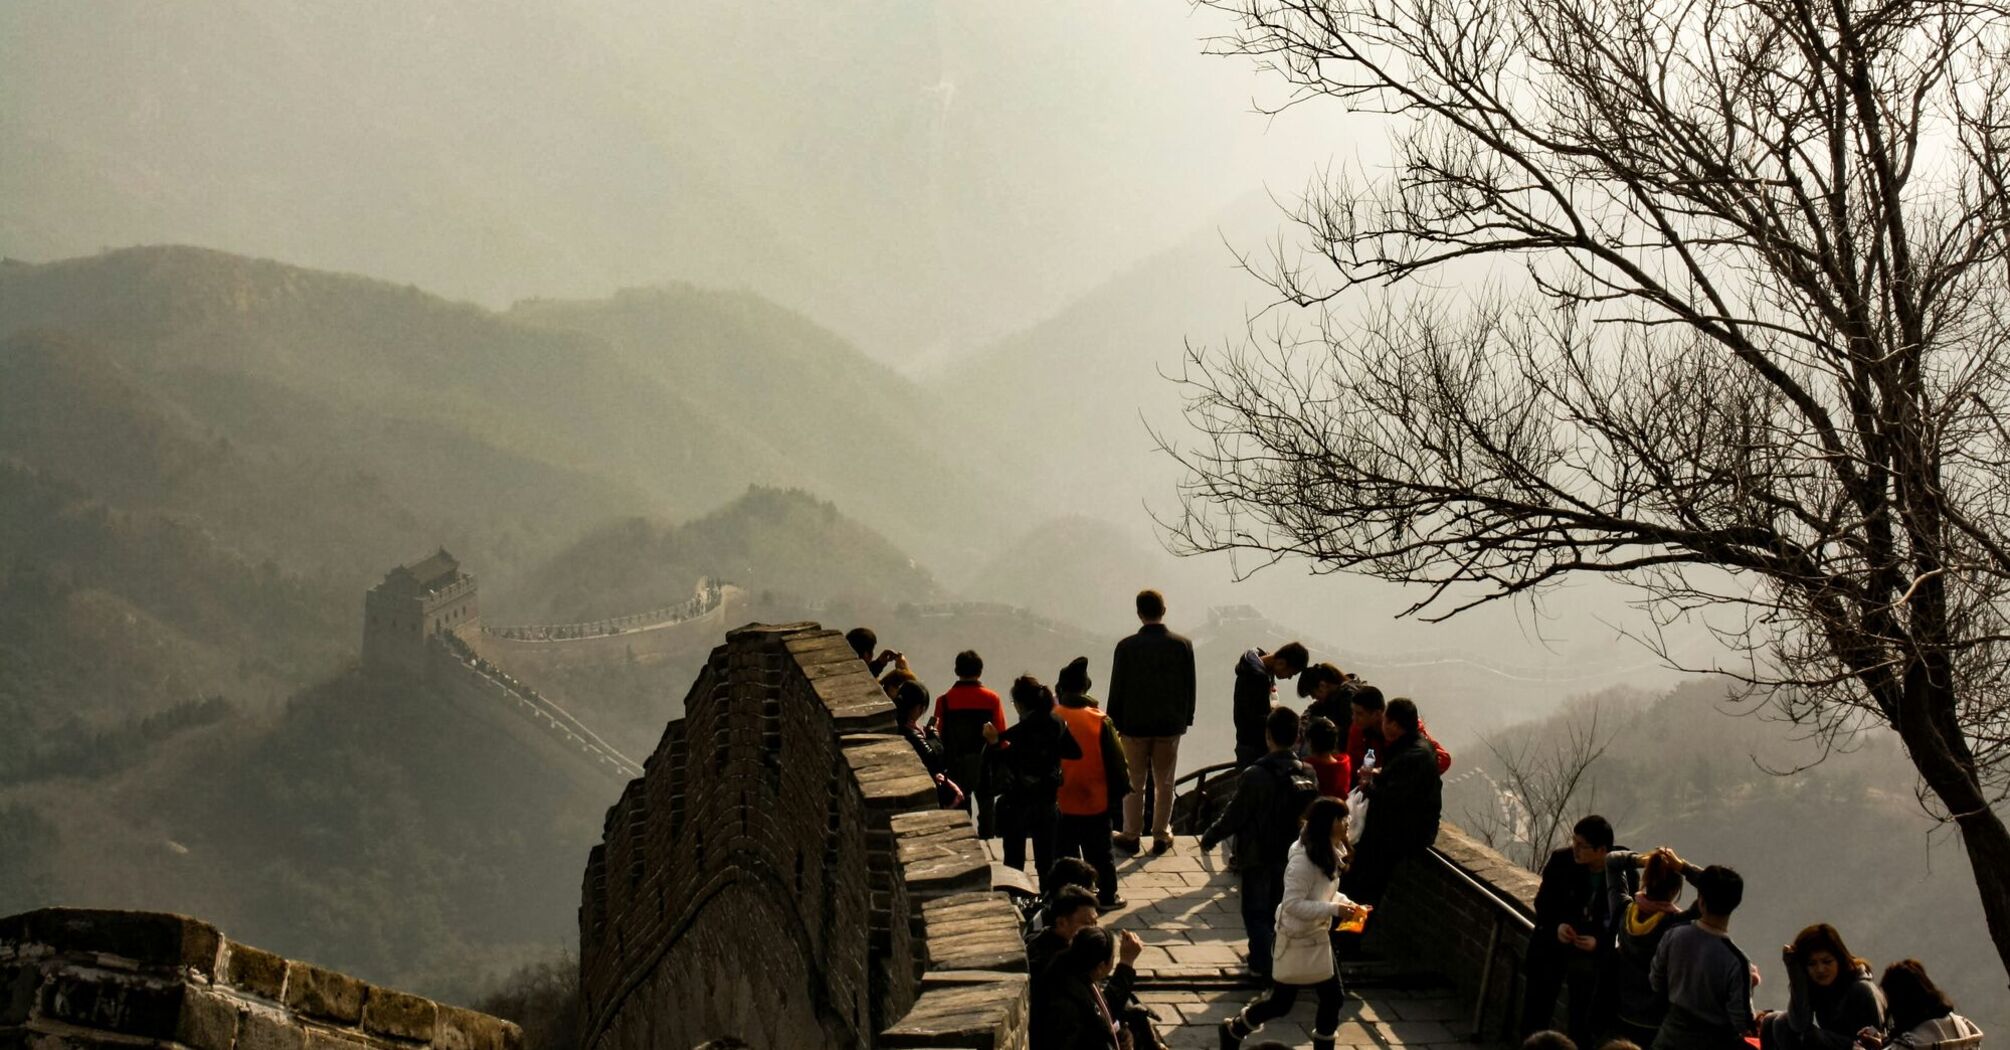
[77, 978]
[780, 875]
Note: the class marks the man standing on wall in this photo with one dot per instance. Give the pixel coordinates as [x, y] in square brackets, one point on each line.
[1572, 942]
[1152, 690]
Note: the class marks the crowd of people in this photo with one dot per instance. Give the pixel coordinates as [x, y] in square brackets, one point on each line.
[1329, 802]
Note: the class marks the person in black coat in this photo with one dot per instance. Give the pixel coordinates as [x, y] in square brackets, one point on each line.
[1151, 703]
[1071, 999]
[1406, 798]
[1022, 767]
[1572, 942]
[1256, 675]
[1270, 796]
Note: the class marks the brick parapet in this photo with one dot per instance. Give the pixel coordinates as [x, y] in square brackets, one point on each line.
[780, 874]
[72, 977]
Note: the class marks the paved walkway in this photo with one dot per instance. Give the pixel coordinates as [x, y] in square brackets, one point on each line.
[1185, 907]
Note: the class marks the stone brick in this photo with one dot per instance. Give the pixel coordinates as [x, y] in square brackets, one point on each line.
[122, 1003]
[260, 1030]
[208, 1021]
[145, 938]
[323, 994]
[399, 1015]
[255, 970]
[459, 1029]
[18, 985]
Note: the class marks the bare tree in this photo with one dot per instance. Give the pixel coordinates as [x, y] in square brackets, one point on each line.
[1542, 776]
[1744, 345]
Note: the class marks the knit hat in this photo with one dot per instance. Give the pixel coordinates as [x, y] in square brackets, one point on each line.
[1074, 678]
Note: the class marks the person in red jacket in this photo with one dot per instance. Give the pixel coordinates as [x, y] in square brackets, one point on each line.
[960, 717]
[1368, 732]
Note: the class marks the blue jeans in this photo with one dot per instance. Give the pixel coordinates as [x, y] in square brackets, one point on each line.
[1262, 889]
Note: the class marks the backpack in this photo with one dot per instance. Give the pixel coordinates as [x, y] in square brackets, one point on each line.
[1297, 786]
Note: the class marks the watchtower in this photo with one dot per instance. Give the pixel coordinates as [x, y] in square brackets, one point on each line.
[413, 603]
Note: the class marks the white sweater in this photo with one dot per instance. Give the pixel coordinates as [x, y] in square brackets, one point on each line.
[1947, 1029]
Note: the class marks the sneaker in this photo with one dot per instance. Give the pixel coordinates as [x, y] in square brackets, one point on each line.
[1161, 847]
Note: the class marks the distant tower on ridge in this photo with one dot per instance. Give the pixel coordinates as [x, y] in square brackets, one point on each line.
[415, 602]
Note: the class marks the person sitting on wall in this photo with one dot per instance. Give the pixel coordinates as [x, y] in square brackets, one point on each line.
[1072, 909]
[1705, 978]
[1071, 999]
[1256, 675]
[1922, 1016]
[1572, 941]
[1263, 817]
[1022, 768]
[1406, 792]
[1831, 998]
[960, 717]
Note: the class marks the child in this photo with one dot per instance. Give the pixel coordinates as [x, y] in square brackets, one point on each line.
[1329, 763]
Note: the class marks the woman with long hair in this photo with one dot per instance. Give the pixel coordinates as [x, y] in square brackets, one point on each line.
[1642, 919]
[1922, 1016]
[1022, 767]
[1069, 1010]
[1303, 953]
[1831, 998]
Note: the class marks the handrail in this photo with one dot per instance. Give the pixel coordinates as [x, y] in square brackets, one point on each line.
[1510, 908]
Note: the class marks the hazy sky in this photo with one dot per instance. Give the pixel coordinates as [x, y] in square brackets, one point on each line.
[920, 175]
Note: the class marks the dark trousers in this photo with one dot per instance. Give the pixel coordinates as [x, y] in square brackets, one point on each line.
[1089, 839]
[1551, 969]
[968, 772]
[1020, 819]
[1262, 889]
[1279, 1000]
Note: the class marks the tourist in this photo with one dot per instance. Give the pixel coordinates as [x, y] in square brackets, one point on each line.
[1071, 1008]
[1022, 769]
[1323, 754]
[960, 717]
[1548, 1039]
[1263, 816]
[1922, 1016]
[1326, 690]
[1639, 924]
[863, 641]
[1256, 675]
[1094, 782]
[1572, 940]
[1406, 796]
[910, 703]
[1369, 733]
[1070, 910]
[1705, 979]
[1310, 905]
[1152, 690]
[1830, 996]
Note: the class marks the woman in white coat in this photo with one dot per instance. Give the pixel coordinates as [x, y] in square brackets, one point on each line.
[1303, 953]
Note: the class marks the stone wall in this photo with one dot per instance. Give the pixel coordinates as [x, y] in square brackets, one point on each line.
[75, 978]
[1463, 912]
[780, 875]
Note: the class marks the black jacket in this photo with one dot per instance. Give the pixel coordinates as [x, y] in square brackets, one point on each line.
[1025, 764]
[1065, 1016]
[1253, 689]
[1261, 816]
[1152, 683]
[1406, 797]
[1566, 896]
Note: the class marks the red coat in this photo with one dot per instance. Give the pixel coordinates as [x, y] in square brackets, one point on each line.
[1358, 745]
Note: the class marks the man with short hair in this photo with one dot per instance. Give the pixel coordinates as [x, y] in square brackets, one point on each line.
[1270, 797]
[1151, 704]
[960, 717]
[1367, 732]
[1573, 931]
[1707, 980]
[1406, 795]
[1326, 688]
[1256, 675]
[863, 640]
[1072, 909]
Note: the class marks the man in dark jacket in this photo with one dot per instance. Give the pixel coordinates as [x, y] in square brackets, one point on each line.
[1270, 797]
[1572, 941]
[1405, 795]
[1256, 675]
[1152, 690]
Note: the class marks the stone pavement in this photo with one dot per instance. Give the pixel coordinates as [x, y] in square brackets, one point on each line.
[1185, 907]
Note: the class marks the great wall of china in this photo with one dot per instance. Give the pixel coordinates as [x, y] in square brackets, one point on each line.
[774, 872]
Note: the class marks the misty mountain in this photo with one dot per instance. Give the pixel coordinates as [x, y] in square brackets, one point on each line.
[771, 540]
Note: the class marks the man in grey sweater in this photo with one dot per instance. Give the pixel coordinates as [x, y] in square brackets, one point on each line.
[1706, 979]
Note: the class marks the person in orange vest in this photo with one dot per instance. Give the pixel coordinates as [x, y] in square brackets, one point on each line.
[1092, 786]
